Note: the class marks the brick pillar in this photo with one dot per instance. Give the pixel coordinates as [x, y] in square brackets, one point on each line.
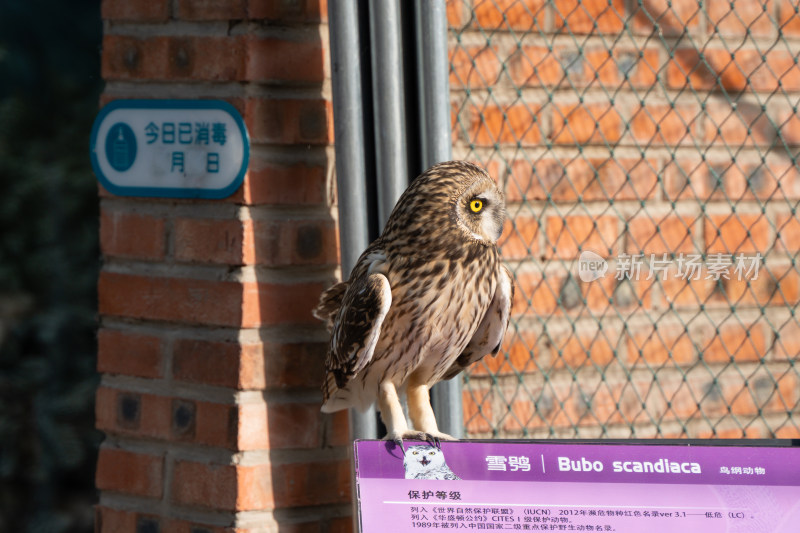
[210, 358]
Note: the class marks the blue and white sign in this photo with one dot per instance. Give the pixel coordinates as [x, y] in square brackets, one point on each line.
[170, 148]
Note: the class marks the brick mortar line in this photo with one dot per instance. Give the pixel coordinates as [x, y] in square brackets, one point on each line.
[662, 332]
[659, 153]
[216, 210]
[591, 325]
[623, 430]
[175, 27]
[268, 334]
[621, 211]
[180, 451]
[654, 208]
[291, 274]
[276, 396]
[293, 515]
[175, 451]
[629, 99]
[167, 28]
[778, 207]
[621, 374]
[292, 31]
[506, 41]
[661, 161]
[288, 275]
[169, 208]
[557, 266]
[293, 154]
[292, 334]
[296, 456]
[289, 90]
[243, 89]
[287, 213]
[300, 515]
[697, 419]
[172, 331]
[153, 90]
[620, 343]
[124, 502]
[171, 270]
[663, 329]
[683, 314]
[594, 151]
[715, 312]
[170, 387]
[169, 471]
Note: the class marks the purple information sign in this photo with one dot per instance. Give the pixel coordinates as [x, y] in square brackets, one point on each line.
[525, 486]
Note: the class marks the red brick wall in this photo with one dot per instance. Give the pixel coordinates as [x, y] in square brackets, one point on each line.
[607, 124]
[209, 355]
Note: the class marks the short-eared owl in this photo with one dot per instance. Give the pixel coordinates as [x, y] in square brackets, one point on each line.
[426, 462]
[425, 300]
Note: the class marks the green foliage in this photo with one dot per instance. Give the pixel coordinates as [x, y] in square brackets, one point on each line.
[49, 87]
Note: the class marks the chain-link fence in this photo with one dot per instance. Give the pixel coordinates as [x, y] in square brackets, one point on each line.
[648, 153]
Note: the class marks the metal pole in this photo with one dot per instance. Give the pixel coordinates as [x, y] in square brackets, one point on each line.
[389, 104]
[434, 91]
[350, 168]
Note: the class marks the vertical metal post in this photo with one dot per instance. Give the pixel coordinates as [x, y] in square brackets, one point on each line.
[350, 167]
[389, 104]
[434, 84]
[434, 92]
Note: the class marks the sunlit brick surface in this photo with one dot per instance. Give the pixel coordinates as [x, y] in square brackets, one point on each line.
[663, 131]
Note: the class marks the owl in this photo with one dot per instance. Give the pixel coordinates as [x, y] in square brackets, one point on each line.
[426, 462]
[425, 300]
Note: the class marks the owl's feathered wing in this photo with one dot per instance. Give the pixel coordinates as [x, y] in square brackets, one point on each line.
[330, 302]
[356, 326]
[489, 335]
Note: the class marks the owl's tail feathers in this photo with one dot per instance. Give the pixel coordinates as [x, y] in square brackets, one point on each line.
[329, 303]
[336, 399]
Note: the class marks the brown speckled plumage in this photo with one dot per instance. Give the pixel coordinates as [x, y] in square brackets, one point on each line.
[425, 300]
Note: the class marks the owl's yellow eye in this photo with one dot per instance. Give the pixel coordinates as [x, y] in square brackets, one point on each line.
[476, 205]
[415, 453]
[431, 453]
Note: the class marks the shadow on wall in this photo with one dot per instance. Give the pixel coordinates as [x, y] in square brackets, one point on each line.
[290, 190]
[727, 70]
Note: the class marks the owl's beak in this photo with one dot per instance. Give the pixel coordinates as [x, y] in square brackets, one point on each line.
[500, 216]
[424, 461]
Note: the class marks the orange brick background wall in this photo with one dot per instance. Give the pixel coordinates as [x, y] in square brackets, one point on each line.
[209, 355]
[626, 127]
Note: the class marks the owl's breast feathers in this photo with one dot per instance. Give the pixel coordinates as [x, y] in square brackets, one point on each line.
[357, 325]
[425, 297]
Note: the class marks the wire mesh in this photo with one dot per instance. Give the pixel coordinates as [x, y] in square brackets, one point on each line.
[648, 152]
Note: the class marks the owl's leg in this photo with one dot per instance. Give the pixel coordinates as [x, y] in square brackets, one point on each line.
[421, 412]
[393, 417]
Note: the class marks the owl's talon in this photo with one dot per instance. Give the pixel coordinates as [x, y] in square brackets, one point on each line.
[433, 440]
[397, 438]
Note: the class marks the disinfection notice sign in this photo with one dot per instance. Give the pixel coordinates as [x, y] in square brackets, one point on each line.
[170, 148]
[523, 486]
